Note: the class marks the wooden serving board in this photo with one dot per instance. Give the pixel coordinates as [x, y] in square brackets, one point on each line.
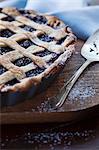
[82, 100]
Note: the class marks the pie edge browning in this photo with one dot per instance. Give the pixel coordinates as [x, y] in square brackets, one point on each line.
[52, 70]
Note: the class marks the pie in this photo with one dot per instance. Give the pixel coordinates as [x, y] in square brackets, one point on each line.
[33, 46]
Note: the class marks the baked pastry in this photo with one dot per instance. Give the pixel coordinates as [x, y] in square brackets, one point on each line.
[33, 46]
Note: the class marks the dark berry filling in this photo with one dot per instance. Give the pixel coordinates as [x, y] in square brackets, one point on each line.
[61, 40]
[37, 19]
[35, 72]
[23, 12]
[6, 33]
[12, 82]
[43, 53]
[0, 10]
[8, 18]
[2, 69]
[28, 28]
[4, 50]
[22, 61]
[46, 38]
[25, 43]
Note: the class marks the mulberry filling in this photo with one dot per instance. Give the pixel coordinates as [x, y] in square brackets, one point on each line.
[46, 38]
[25, 43]
[8, 18]
[22, 61]
[28, 28]
[37, 19]
[12, 82]
[23, 12]
[43, 53]
[4, 50]
[2, 69]
[34, 72]
[6, 33]
[0, 10]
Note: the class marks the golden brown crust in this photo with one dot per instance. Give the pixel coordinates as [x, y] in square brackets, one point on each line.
[54, 28]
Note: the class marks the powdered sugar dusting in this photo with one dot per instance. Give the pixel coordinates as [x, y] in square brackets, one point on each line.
[49, 140]
[82, 92]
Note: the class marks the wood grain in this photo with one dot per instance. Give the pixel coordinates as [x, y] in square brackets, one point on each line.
[84, 95]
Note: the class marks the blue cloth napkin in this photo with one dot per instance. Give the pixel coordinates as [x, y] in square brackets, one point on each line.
[14, 3]
[83, 20]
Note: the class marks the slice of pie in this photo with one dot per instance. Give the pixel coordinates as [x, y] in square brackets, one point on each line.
[33, 48]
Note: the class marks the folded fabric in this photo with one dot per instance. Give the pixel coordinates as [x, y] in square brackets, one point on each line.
[83, 20]
[52, 5]
[14, 3]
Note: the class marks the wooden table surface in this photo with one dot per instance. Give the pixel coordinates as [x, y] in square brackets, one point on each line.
[80, 135]
[83, 134]
[85, 94]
